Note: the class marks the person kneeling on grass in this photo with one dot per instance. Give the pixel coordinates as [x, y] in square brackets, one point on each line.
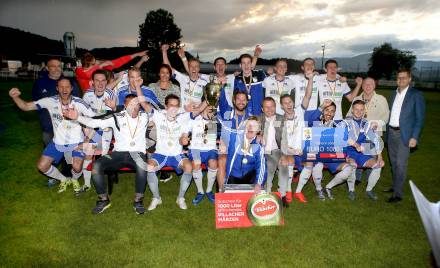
[246, 163]
[361, 132]
[129, 127]
[68, 134]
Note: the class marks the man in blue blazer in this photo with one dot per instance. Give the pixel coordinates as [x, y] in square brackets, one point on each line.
[405, 125]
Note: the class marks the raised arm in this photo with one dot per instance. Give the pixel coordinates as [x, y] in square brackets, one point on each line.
[142, 60]
[72, 113]
[15, 93]
[308, 94]
[257, 53]
[165, 59]
[181, 53]
[355, 91]
[140, 95]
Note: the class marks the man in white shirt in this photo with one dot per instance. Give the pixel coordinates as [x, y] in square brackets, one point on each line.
[279, 84]
[101, 100]
[191, 87]
[129, 127]
[330, 87]
[300, 83]
[68, 134]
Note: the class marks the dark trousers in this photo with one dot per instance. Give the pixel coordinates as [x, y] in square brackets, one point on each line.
[115, 161]
[246, 179]
[398, 154]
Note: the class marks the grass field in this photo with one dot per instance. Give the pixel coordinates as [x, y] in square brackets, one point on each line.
[39, 227]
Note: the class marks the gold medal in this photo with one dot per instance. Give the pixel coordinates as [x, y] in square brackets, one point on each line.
[132, 143]
[205, 141]
[245, 161]
[170, 144]
[249, 96]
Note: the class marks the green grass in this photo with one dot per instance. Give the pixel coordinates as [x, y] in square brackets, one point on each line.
[39, 227]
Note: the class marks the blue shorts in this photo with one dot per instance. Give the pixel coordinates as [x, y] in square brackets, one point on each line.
[358, 157]
[97, 137]
[169, 161]
[203, 156]
[56, 151]
[333, 167]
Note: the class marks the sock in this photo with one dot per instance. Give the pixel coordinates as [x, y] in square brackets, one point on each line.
[303, 178]
[185, 181]
[289, 181]
[68, 157]
[106, 140]
[317, 175]
[87, 174]
[351, 180]
[76, 175]
[340, 177]
[212, 174]
[153, 184]
[198, 179]
[283, 179]
[373, 178]
[53, 172]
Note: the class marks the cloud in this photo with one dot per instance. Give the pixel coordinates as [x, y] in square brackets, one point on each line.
[286, 28]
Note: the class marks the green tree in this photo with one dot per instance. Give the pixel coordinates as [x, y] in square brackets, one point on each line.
[386, 60]
[158, 28]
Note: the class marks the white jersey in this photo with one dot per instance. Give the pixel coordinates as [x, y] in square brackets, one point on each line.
[276, 89]
[97, 103]
[169, 133]
[204, 134]
[300, 85]
[190, 91]
[293, 131]
[65, 131]
[335, 91]
[129, 132]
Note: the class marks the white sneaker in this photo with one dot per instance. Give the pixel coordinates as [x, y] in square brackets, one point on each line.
[181, 203]
[154, 203]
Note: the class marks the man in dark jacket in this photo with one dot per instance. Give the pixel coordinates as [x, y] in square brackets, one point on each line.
[405, 125]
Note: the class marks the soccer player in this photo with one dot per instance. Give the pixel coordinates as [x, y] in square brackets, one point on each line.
[321, 117]
[330, 87]
[46, 86]
[250, 82]
[67, 133]
[191, 87]
[279, 84]
[300, 82]
[246, 163]
[225, 100]
[232, 123]
[129, 127]
[361, 131]
[101, 100]
[203, 150]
